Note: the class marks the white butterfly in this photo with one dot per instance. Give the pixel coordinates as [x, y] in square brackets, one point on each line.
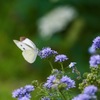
[29, 50]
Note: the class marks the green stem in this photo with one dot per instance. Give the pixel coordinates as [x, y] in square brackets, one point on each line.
[78, 73]
[51, 65]
[62, 67]
[62, 95]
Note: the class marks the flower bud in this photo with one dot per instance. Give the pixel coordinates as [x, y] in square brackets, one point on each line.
[35, 83]
[62, 86]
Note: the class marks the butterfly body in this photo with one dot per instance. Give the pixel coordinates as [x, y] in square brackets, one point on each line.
[29, 49]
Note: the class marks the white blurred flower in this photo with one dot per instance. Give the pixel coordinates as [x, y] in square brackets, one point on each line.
[56, 20]
[91, 50]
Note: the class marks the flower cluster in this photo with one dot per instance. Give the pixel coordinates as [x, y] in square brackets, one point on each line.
[88, 93]
[50, 81]
[59, 83]
[54, 82]
[96, 43]
[46, 52]
[68, 81]
[94, 61]
[90, 90]
[60, 58]
[23, 93]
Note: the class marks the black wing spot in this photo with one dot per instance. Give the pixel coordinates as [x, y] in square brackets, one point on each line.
[23, 48]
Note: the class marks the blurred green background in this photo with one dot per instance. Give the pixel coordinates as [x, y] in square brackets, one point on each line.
[68, 26]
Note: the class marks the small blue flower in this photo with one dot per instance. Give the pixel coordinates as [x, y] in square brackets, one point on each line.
[68, 81]
[47, 52]
[61, 58]
[91, 50]
[96, 43]
[82, 97]
[90, 90]
[72, 64]
[45, 98]
[23, 92]
[94, 60]
[50, 81]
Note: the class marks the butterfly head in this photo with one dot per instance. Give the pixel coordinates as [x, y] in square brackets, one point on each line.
[22, 38]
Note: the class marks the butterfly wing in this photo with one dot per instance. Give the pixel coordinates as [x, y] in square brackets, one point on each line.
[29, 50]
[29, 42]
[21, 45]
[30, 55]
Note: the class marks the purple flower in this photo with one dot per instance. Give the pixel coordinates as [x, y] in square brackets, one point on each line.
[29, 88]
[50, 81]
[82, 97]
[45, 98]
[90, 90]
[23, 92]
[68, 81]
[96, 43]
[60, 58]
[17, 93]
[94, 60]
[72, 64]
[46, 52]
[23, 98]
[88, 93]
